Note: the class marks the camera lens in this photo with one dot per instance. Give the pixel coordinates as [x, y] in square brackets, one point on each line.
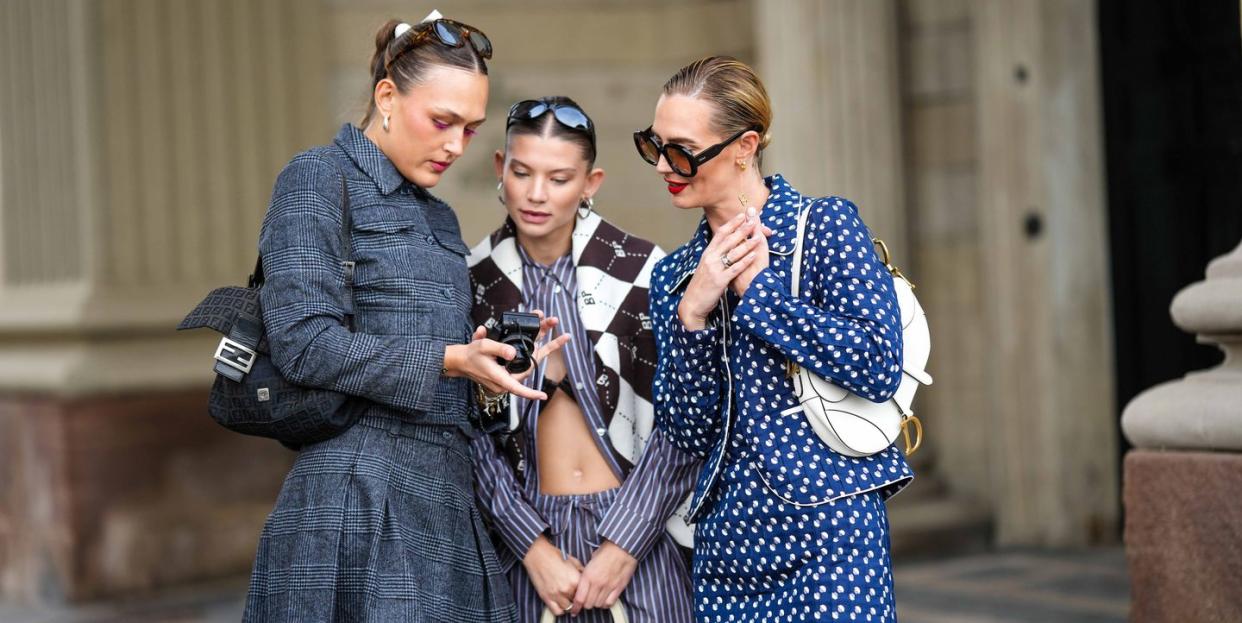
[519, 330]
[524, 346]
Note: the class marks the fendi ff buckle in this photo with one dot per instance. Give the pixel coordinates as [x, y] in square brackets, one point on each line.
[235, 355]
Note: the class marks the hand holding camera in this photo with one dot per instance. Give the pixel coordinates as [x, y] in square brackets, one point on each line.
[500, 365]
[521, 331]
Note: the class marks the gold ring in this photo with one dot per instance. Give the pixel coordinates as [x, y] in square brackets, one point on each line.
[724, 259]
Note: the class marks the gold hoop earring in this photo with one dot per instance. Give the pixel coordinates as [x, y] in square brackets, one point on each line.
[385, 123]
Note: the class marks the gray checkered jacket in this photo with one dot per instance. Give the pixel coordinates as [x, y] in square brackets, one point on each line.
[378, 523]
[411, 292]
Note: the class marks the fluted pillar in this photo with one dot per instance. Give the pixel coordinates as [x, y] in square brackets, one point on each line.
[138, 144]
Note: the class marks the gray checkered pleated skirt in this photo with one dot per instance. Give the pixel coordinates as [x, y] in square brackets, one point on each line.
[379, 524]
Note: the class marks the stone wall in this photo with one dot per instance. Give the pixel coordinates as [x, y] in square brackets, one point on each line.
[138, 143]
[137, 158]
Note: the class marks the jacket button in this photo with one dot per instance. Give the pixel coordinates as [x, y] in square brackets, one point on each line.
[601, 431]
[430, 239]
[446, 435]
[448, 292]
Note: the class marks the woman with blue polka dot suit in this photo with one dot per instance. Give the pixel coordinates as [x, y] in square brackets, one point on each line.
[787, 529]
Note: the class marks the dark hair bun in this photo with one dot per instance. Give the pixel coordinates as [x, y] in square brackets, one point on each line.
[383, 38]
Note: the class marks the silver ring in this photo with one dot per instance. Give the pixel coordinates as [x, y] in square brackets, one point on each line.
[724, 259]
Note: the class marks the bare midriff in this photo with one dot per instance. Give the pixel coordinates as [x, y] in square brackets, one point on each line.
[569, 458]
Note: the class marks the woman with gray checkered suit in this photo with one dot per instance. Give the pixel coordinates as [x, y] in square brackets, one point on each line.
[380, 523]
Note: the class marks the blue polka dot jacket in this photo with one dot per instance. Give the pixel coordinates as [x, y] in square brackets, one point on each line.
[722, 393]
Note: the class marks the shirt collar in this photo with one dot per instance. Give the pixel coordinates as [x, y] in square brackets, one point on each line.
[369, 158]
[780, 213]
[556, 264]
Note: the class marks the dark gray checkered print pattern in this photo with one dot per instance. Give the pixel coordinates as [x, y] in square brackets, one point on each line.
[380, 523]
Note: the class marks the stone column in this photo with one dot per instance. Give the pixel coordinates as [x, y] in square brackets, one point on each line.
[831, 69]
[138, 144]
[1183, 477]
[1045, 273]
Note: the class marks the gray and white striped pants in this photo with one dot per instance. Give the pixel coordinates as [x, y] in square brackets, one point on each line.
[659, 592]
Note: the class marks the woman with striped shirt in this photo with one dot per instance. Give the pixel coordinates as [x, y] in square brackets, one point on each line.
[580, 488]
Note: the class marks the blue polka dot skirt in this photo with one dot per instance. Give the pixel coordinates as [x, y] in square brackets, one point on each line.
[757, 558]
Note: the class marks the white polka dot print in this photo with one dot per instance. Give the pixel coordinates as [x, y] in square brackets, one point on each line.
[788, 530]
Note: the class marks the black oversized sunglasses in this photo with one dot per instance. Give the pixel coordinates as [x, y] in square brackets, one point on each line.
[451, 33]
[680, 159]
[567, 115]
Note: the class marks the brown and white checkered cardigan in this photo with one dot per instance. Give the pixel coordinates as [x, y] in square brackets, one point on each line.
[613, 271]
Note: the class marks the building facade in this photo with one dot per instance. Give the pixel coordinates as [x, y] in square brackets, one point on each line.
[137, 153]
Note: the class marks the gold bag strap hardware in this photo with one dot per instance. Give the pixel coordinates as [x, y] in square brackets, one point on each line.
[884, 257]
[906, 422]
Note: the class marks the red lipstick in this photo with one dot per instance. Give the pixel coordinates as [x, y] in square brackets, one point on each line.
[674, 187]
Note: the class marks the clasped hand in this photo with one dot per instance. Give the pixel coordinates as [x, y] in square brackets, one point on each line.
[567, 586]
[737, 253]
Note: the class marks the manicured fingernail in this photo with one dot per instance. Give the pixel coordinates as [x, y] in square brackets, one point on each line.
[750, 213]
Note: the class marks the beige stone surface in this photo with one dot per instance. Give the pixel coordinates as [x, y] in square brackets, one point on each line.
[1200, 411]
[135, 165]
[831, 69]
[945, 260]
[1213, 306]
[1045, 272]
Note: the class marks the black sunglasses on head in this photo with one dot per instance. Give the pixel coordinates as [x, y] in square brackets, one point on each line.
[451, 33]
[567, 115]
[680, 159]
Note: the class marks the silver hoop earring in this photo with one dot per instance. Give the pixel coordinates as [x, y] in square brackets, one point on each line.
[385, 123]
[587, 204]
[500, 195]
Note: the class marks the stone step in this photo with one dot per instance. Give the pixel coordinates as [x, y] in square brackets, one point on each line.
[925, 525]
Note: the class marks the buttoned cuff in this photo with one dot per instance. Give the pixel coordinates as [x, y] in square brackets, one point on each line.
[696, 348]
[519, 528]
[765, 291]
[631, 529]
[427, 368]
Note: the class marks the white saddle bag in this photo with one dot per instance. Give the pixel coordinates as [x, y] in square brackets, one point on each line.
[851, 424]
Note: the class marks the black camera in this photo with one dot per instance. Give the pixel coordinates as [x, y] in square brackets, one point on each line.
[519, 330]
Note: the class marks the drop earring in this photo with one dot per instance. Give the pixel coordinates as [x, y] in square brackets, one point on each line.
[500, 195]
[741, 164]
[587, 204]
[385, 123]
